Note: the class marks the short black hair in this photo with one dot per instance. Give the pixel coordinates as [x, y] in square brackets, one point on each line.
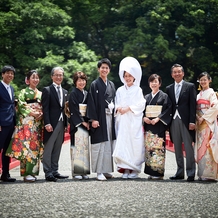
[104, 61]
[8, 68]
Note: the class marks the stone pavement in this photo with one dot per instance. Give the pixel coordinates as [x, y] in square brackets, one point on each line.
[113, 198]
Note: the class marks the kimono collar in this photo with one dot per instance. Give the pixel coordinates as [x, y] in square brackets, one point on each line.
[105, 82]
[153, 95]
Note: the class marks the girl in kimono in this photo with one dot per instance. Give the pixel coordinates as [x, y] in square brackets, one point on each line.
[156, 120]
[26, 144]
[79, 127]
[206, 146]
[129, 106]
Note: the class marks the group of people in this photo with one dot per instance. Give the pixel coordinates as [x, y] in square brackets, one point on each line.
[109, 125]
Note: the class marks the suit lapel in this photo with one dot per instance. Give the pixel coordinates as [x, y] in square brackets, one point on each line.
[53, 90]
[172, 91]
[6, 95]
[182, 90]
[64, 97]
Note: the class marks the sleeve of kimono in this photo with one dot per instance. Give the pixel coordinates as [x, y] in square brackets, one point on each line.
[166, 113]
[211, 114]
[92, 103]
[117, 99]
[139, 105]
[75, 116]
[22, 104]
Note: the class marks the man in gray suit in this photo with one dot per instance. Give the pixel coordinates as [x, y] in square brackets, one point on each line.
[182, 128]
[55, 121]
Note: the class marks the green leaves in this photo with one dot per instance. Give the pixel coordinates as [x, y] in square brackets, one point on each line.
[76, 33]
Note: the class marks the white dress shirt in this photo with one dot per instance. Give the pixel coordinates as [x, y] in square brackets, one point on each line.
[175, 87]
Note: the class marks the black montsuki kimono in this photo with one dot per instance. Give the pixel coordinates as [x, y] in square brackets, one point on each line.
[155, 157]
[99, 96]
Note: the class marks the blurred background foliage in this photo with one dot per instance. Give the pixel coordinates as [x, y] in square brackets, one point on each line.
[75, 34]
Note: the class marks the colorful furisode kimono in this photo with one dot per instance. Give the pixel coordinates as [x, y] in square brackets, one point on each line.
[26, 144]
[206, 146]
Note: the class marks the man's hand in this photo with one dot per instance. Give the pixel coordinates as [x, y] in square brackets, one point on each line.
[95, 124]
[49, 128]
[191, 126]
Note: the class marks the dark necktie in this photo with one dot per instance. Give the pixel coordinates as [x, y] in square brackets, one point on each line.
[59, 93]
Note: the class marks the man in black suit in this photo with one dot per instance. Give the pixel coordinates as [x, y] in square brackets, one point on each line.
[55, 121]
[7, 118]
[182, 128]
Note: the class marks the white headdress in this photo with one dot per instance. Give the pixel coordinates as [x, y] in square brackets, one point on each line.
[132, 66]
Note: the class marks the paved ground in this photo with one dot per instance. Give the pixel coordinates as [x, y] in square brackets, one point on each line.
[112, 198]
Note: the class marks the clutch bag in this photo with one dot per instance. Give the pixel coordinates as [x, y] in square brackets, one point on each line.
[153, 110]
[82, 109]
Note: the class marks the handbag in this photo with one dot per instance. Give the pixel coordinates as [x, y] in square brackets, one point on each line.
[153, 110]
[82, 109]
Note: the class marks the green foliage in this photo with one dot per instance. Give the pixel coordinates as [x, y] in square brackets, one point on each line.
[38, 35]
[76, 33]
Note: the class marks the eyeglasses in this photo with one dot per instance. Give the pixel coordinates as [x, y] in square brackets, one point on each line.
[58, 75]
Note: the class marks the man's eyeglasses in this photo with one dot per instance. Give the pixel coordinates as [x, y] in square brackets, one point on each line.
[58, 75]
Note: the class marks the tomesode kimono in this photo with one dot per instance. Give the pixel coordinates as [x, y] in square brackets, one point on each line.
[129, 149]
[26, 144]
[206, 146]
[155, 134]
[80, 157]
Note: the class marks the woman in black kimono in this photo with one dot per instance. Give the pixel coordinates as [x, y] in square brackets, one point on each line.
[156, 120]
[79, 128]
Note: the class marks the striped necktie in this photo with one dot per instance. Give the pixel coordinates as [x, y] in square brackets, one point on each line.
[177, 91]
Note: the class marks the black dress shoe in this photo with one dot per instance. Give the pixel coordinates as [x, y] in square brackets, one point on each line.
[51, 179]
[59, 176]
[190, 179]
[176, 177]
[7, 179]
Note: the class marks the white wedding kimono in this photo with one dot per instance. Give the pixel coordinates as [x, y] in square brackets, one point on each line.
[129, 150]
